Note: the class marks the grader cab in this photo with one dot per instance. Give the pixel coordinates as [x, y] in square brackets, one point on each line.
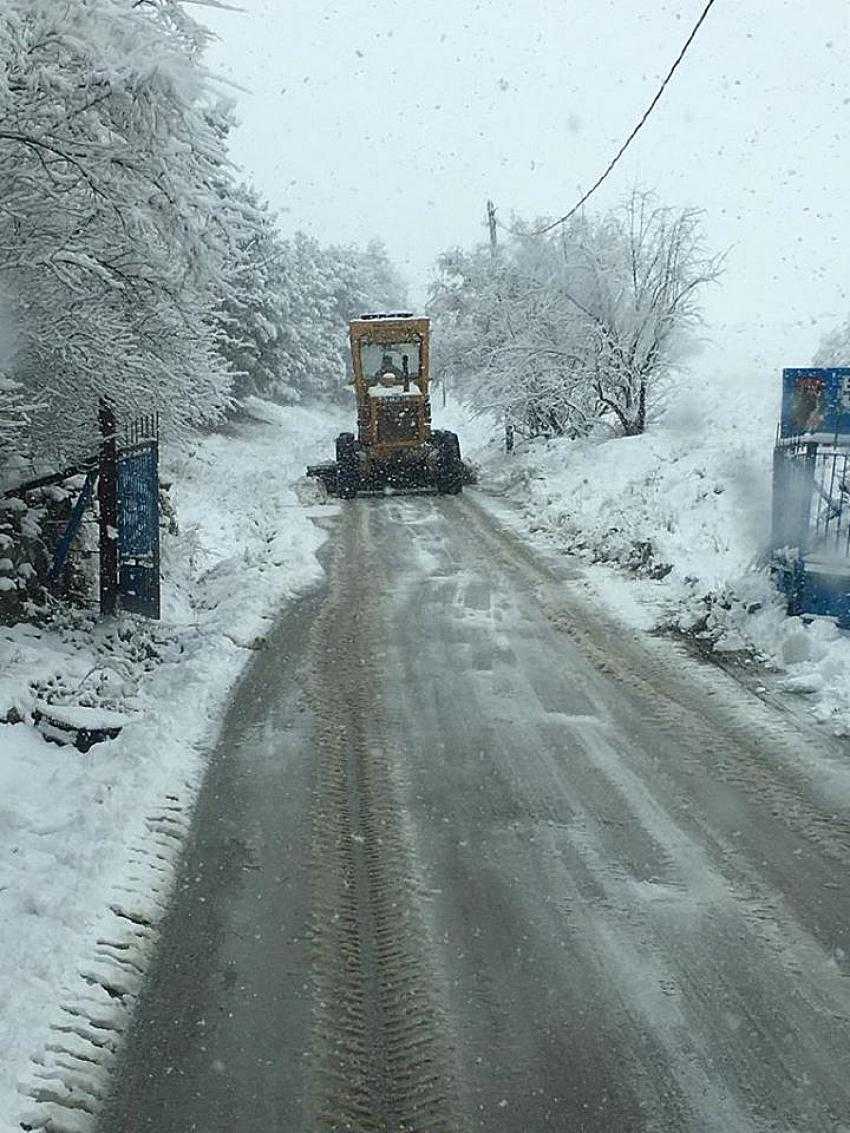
[395, 446]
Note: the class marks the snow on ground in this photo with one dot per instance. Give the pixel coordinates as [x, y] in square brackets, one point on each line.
[87, 841]
[684, 511]
[671, 525]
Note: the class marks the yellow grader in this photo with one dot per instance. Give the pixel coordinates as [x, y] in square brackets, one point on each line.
[395, 446]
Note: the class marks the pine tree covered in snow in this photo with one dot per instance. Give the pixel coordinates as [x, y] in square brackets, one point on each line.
[252, 316]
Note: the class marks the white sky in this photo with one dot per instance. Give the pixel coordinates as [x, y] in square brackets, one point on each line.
[399, 119]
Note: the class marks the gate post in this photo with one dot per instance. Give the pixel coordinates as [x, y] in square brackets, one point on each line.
[779, 499]
[107, 494]
[807, 493]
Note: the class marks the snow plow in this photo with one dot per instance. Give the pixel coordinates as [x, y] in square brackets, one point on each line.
[395, 446]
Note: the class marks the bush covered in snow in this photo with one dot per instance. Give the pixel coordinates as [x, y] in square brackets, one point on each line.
[30, 528]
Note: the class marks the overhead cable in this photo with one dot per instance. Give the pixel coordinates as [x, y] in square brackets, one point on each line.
[632, 135]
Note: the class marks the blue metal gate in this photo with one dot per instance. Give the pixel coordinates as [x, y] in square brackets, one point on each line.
[138, 528]
[811, 492]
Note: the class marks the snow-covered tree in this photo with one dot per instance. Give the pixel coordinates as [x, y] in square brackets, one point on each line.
[136, 267]
[15, 413]
[635, 278]
[252, 315]
[14, 408]
[110, 149]
[834, 350]
[566, 334]
[322, 288]
[506, 337]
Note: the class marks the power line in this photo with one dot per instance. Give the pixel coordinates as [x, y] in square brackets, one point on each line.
[633, 134]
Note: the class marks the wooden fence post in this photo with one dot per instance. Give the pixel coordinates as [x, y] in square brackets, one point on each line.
[107, 494]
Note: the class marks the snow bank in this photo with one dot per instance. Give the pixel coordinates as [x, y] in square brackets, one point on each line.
[685, 510]
[87, 841]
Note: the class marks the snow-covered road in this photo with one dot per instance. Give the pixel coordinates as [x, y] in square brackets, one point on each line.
[472, 855]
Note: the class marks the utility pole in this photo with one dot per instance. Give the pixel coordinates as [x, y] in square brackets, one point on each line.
[491, 221]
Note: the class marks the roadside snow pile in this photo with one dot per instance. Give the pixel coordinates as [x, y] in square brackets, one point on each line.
[685, 509]
[87, 841]
[692, 495]
[479, 436]
[245, 542]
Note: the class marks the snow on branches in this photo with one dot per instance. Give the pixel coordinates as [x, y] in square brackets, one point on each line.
[585, 330]
[834, 349]
[133, 263]
[112, 170]
[322, 288]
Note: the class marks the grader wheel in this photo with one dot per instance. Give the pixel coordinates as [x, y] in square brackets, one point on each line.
[348, 467]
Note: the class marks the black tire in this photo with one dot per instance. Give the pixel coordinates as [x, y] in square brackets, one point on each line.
[437, 440]
[449, 466]
[347, 466]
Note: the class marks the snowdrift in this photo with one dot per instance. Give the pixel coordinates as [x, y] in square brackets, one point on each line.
[684, 510]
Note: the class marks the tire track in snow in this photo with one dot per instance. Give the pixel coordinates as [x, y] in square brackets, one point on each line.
[380, 1052]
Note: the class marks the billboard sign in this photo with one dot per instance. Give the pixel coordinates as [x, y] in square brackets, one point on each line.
[816, 403]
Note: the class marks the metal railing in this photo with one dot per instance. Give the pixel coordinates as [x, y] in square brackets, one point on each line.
[811, 498]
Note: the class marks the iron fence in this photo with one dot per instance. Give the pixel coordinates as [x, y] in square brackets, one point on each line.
[811, 498]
